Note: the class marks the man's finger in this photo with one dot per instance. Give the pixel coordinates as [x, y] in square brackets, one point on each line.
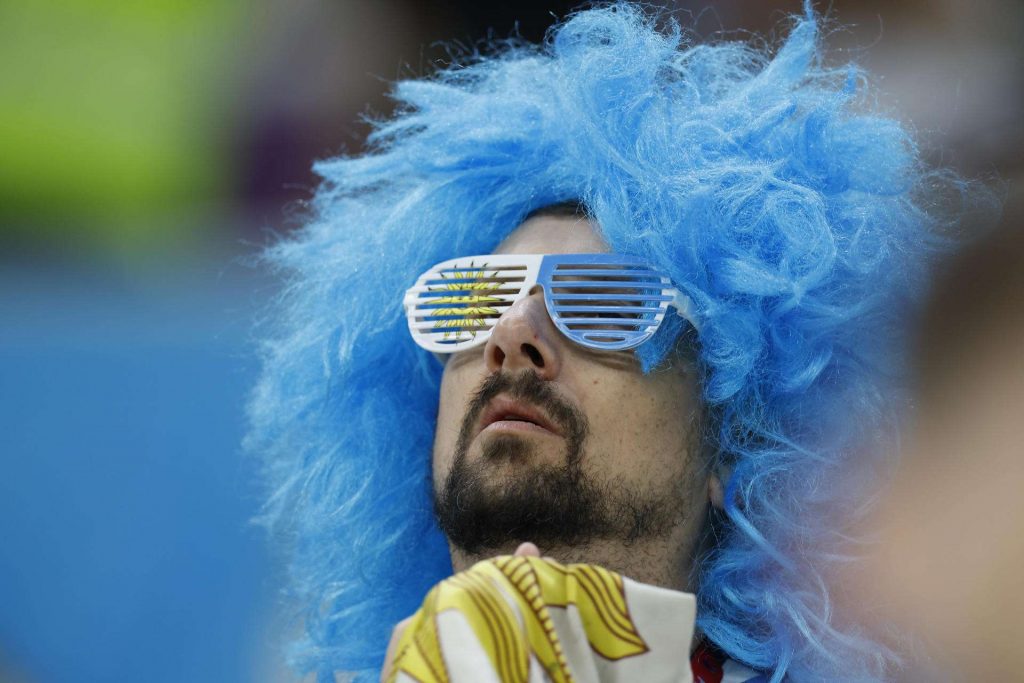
[527, 550]
[396, 635]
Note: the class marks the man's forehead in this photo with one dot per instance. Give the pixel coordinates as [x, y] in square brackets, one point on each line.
[554, 235]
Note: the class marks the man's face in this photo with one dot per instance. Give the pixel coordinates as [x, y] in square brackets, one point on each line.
[540, 439]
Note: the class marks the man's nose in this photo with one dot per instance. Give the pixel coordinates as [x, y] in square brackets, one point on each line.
[525, 338]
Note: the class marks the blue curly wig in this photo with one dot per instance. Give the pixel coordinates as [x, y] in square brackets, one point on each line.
[797, 219]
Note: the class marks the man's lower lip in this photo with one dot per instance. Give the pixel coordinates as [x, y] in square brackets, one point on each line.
[517, 426]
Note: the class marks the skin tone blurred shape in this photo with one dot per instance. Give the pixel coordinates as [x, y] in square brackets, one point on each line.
[949, 564]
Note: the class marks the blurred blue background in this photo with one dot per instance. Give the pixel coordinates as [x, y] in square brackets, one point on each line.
[147, 152]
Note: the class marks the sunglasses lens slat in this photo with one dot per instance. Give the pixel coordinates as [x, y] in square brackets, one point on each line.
[622, 271]
[610, 341]
[428, 302]
[605, 308]
[592, 297]
[623, 322]
[453, 321]
[605, 286]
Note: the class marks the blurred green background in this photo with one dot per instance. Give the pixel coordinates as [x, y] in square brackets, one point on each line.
[114, 117]
[147, 152]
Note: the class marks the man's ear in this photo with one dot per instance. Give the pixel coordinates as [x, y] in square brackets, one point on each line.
[716, 491]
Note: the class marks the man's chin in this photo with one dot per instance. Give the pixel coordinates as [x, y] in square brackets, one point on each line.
[494, 501]
[510, 451]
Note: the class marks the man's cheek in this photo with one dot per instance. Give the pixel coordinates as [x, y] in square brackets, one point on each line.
[616, 413]
[441, 460]
[443, 445]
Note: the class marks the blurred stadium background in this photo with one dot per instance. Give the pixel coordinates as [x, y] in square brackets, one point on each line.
[147, 151]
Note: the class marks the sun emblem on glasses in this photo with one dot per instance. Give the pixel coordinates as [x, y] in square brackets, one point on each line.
[465, 313]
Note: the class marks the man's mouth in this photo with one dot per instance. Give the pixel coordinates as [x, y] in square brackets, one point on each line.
[503, 413]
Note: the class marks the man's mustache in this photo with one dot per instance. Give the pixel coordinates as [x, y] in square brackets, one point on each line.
[527, 387]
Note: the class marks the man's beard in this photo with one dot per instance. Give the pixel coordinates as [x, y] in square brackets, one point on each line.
[552, 505]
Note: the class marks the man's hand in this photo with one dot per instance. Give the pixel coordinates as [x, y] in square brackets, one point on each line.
[524, 550]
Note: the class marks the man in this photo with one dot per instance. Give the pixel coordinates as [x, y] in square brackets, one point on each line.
[785, 229]
[541, 438]
[580, 485]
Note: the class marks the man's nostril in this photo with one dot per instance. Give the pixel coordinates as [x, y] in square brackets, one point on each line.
[534, 354]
